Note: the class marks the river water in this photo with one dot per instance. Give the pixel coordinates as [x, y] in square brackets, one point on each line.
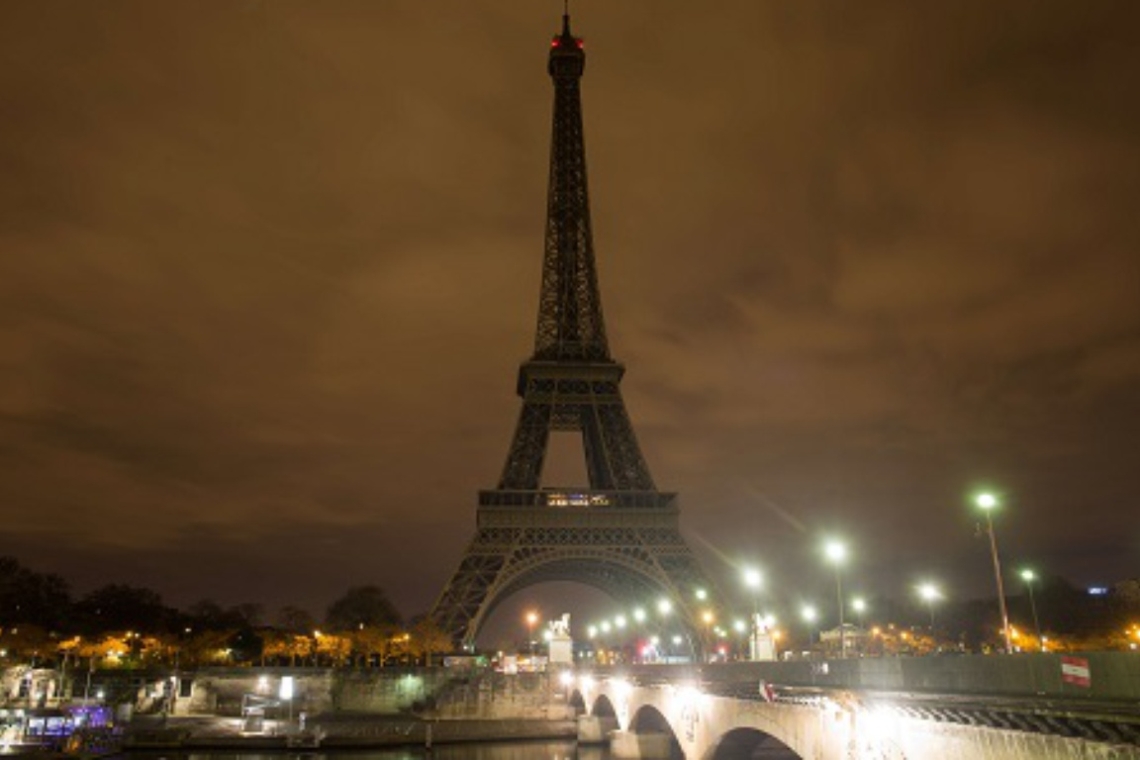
[541, 750]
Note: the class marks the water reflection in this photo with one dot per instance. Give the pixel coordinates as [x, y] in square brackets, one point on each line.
[559, 750]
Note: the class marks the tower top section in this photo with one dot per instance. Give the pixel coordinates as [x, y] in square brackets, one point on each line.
[570, 324]
[567, 53]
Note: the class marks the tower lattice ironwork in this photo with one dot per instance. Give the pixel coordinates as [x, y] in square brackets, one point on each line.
[620, 534]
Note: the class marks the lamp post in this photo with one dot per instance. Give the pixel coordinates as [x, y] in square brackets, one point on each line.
[531, 620]
[754, 580]
[1029, 576]
[987, 502]
[930, 594]
[859, 605]
[836, 553]
[809, 615]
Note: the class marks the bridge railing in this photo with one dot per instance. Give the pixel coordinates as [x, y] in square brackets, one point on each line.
[1093, 676]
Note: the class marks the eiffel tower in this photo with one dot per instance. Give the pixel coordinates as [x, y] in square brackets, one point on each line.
[619, 535]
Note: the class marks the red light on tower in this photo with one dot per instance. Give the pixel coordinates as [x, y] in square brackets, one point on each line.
[554, 42]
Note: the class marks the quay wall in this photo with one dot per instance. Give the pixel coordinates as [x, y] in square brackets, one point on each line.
[441, 693]
[437, 692]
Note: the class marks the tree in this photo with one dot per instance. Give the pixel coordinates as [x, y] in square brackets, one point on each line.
[295, 620]
[332, 648]
[28, 643]
[118, 606]
[29, 597]
[428, 639]
[371, 640]
[245, 645]
[208, 615]
[361, 606]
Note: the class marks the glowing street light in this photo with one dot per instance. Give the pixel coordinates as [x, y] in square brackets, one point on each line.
[664, 606]
[1029, 576]
[836, 553]
[810, 615]
[987, 502]
[754, 580]
[930, 594]
[531, 621]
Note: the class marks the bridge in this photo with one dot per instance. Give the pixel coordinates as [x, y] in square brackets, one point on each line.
[997, 707]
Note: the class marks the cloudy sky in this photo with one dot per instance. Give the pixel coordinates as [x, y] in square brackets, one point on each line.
[267, 269]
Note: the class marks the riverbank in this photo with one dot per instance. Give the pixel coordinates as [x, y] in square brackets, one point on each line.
[334, 731]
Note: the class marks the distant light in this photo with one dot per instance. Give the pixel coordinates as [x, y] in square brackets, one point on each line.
[858, 604]
[929, 592]
[286, 689]
[1027, 575]
[566, 678]
[809, 613]
[702, 594]
[639, 615]
[1097, 591]
[986, 501]
[664, 606]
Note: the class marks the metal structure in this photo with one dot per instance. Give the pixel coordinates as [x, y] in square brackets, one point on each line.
[619, 534]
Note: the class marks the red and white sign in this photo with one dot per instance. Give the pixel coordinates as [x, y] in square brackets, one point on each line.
[1075, 670]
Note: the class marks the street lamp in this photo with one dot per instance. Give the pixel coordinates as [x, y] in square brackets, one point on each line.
[930, 594]
[754, 580]
[531, 620]
[809, 614]
[836, 553]
[987, 502]
[860, 607]
[1029, 576]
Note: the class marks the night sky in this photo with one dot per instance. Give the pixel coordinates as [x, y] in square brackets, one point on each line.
[267, 270]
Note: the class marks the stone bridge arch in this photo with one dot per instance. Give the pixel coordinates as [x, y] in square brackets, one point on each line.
[649, 722]
[672, 720]
[603, 707]
[747, 743]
